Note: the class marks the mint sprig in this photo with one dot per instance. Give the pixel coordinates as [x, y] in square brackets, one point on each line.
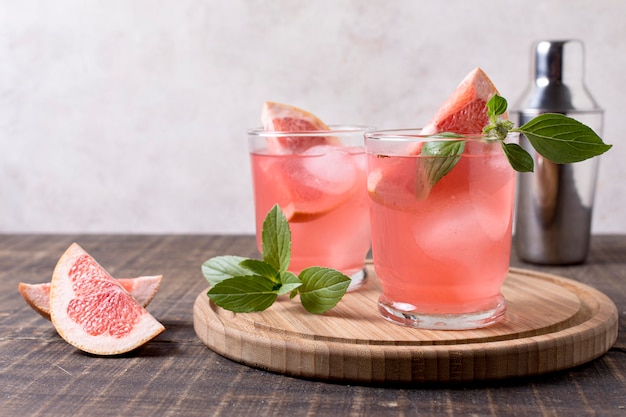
[554, 136]
[245, 285]
[561, 139]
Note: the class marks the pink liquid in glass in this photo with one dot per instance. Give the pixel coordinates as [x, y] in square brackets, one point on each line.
[322, 193]
[443, 251]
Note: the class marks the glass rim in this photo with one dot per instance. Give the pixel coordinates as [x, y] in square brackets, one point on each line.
[414, 134]
[334, 130]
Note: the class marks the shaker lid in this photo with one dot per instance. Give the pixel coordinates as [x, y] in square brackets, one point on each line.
[558, 84]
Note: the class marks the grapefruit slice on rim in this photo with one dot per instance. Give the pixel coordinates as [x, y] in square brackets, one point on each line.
[143, 289]
[305, 191]
[464, 112]
[92, 311]
[278, 117]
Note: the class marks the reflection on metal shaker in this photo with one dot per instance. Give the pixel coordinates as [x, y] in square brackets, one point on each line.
[554, 203]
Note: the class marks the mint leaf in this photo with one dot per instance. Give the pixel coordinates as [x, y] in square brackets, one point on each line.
[244, 294]
[562, 139]
[496, 106]
[497, 128]
[520, 160]
[244, 285]
[276, 239]
[442, 157]
[558, 138]
[260, 268]
[220, 268]
[322, 288]
[290, 283]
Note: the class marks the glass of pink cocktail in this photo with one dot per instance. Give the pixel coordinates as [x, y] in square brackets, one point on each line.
[321, 190]
[441, 240]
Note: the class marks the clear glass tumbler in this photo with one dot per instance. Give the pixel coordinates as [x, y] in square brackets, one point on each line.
[320, 187]
[441, 214]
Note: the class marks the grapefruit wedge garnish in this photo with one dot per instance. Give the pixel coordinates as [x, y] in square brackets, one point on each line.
[143, 289]
[465, 110]
[400, 184]
[278, 117]
[308, 187]
[92, 311]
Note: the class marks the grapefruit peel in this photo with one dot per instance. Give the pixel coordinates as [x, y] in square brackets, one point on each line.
[299, 203]
[476, 108]
[143, 289]
[279, 117]
[464, 112]
[92, 311]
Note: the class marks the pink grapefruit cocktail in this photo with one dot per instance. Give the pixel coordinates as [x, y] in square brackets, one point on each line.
[441, 252]
[321, 190]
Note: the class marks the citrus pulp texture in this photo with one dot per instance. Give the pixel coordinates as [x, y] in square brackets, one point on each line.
[92, 311]
[465, 110]
[142, 289]
[278, 117]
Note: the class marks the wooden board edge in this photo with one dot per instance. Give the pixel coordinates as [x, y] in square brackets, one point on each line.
[411, 364]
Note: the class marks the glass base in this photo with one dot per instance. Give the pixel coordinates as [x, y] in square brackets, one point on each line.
[357, 280]
[461, 321]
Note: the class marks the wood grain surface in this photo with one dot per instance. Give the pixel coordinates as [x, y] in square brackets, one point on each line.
[177, 375]
[551, 323]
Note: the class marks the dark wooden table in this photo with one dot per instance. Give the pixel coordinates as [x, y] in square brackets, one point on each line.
[176, 375]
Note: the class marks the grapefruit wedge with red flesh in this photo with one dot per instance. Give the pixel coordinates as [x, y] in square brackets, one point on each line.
[310, 185]
[92, 311]
[278, 117]
[143, 289]
[464, 112]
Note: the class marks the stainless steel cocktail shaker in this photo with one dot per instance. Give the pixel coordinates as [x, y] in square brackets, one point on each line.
[554, 203]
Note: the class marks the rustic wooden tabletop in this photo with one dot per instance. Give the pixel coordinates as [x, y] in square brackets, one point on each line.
[177, 375]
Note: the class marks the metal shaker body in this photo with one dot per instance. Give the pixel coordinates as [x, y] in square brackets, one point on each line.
[555, 202]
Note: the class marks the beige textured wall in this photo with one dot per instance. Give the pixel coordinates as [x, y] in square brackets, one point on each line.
[130, 116]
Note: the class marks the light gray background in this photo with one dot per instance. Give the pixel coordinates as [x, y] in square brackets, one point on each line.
[131, 115]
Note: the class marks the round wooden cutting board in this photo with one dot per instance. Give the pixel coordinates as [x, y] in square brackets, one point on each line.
[552, 323]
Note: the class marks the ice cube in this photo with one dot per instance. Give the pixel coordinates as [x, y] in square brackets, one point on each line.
[446, 231]
[489, 174]
[494, 210]
[329, 168]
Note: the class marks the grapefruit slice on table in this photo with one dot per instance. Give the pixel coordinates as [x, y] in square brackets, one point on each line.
[143, 289]
[278, 117]
[464, 112]
[92, 311]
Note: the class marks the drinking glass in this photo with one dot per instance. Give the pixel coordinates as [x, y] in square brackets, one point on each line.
[318, 179]
[441, 227]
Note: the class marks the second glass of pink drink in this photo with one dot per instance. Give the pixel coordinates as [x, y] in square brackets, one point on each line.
[320, 187]
[441, 251]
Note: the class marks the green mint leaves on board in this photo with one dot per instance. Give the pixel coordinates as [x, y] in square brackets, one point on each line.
[244, 285]
[556, 137]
